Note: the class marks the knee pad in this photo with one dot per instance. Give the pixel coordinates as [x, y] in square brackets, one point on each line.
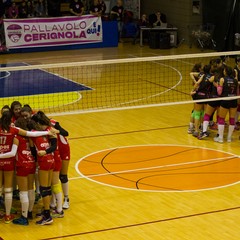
[8, 192]
[206, 117]
[63, 178]
[192, 114]
[197, 115]
[232, 121]
[221, 121]
[23, 196]
[56, 188]
[45, 191]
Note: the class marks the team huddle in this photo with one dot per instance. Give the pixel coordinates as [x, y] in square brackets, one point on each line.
[215, 80]
[33, 150]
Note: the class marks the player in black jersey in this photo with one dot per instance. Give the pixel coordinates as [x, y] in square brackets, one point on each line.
[227, 87]
[202, 90]
[237, 76]
[212, 106]
[195, 74]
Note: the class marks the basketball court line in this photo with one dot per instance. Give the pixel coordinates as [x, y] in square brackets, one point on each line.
[146, 223]
[163, 166]
[128, 132]
[156, 167]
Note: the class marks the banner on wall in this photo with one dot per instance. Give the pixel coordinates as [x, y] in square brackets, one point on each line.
[45, 32]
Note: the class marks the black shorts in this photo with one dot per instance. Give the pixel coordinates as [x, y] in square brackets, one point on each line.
[229, 103]
[214, 104]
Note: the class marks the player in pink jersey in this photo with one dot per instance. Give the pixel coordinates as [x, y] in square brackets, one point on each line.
[56, 203]
[64, 150]
[8, 149]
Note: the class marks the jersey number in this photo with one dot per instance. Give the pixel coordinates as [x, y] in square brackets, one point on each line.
[3, 140]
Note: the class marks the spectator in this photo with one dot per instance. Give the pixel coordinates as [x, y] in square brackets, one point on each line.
[95, 9]
[13, 11]
[76, 8]
[2, 9]
[40, 9]
[117, 14]
[103, 7]
[157, 19]
[30, 9]
[23, 10]
[143, 22]
[53, 8]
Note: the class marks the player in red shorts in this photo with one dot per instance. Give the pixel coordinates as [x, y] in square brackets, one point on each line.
[25, 170]
[27, 113]
[64, 150]
[56, 202]
[45, 147]
[8, 150]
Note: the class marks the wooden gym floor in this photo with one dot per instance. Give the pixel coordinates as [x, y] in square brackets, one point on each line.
[141, 176]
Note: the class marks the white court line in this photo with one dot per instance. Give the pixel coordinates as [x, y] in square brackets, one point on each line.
[8, 74]
[158, 167]
[163, 191]
[155, 95]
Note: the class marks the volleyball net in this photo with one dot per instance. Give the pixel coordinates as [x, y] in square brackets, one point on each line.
[104, 84]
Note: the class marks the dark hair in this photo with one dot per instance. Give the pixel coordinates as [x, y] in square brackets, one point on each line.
[215, 61]
[21, 123]
[5, 120]
[41, 118]
[218, 73]
[15, 103]
[206, 69]
[228, 71]
[26, 108]
[32, 125]
[197, 67]
[6, 107]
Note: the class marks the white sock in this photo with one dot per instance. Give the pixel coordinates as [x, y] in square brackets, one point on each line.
[8, 200]
[31, 197]
[205, 125]
[53, 201]
[25, 202]
[65, 186]
[230, 131]
[221, 131]
[59, 201]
